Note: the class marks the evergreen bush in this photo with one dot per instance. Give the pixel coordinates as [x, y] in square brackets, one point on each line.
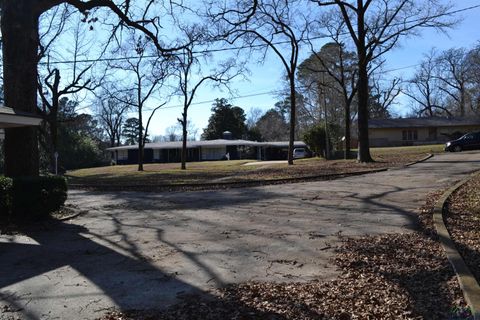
[26, 199]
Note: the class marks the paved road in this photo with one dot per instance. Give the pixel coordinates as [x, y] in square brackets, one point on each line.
[145, 250]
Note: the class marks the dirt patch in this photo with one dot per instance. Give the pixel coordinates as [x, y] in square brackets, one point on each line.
[463, 222]
[391, 276]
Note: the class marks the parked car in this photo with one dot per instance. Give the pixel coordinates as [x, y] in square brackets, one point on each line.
[469, 141]
[299, 153]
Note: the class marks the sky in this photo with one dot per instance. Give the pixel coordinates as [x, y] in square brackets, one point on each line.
[264, 81]
[267, 77]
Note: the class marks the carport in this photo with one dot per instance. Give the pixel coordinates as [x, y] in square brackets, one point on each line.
[10, 118]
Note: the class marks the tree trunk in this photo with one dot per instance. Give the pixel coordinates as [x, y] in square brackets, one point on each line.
[112, 141]
[347, 130]
[363, 142]
[362, 88]
[293, 111]
[184, 139]
[53, 122]
[112, 144]
[20, 40]
[462, 100]
[140, 140]
[54, 140]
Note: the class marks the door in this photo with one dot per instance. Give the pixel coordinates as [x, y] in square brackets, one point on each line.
[432, 134]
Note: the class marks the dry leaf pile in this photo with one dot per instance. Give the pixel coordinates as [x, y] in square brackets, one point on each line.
[463, 223]
[393, 276]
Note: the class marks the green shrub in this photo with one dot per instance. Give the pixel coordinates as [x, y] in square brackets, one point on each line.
[35, 198]
[30, 198]
[5, 198]
[315, 139]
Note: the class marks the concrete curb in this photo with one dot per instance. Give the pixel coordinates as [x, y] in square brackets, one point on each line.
[73, 216]
[430, 155]
[468, 283]
[219, 185]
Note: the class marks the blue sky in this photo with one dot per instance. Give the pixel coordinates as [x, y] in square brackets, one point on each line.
[465, 34]
[267, 77]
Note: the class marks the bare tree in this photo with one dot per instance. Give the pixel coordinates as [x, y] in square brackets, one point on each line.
[332, 68]
[191, 77]
[424, 88]
[253, 115]
[112, 113]
[145, 76]
[277, 25]
[339, 63]
[19, 22]
[172, 133]
[192, 131]
[52, 85]
[454, 76]
[383, 95]
[474, 76]
[375, 27]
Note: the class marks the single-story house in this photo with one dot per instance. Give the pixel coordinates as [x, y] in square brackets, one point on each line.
[418, 131]
[10, 118]
[278, 150]
[203, 151]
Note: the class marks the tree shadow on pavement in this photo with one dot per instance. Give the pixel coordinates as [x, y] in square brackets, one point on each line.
[30, 284]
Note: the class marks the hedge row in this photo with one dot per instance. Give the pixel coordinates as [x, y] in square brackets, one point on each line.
[31, 198]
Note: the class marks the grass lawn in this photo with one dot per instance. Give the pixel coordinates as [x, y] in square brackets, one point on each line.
[403, 155]
[237, 171]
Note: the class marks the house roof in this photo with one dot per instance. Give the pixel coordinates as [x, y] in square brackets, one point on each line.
[10, 118]
[422, 122]
[285, 144]
[209, 143]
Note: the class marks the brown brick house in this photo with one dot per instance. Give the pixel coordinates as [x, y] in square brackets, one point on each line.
[418, 131]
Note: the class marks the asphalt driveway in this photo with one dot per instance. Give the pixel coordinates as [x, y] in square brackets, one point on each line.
[148, 250]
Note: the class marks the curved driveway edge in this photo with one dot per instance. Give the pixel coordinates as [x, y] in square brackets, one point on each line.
[419, 161]
[468, 283]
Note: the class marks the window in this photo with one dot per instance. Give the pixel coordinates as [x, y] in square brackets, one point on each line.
[409, 135]
[213, 153]
[156, 154]
[122, 154]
